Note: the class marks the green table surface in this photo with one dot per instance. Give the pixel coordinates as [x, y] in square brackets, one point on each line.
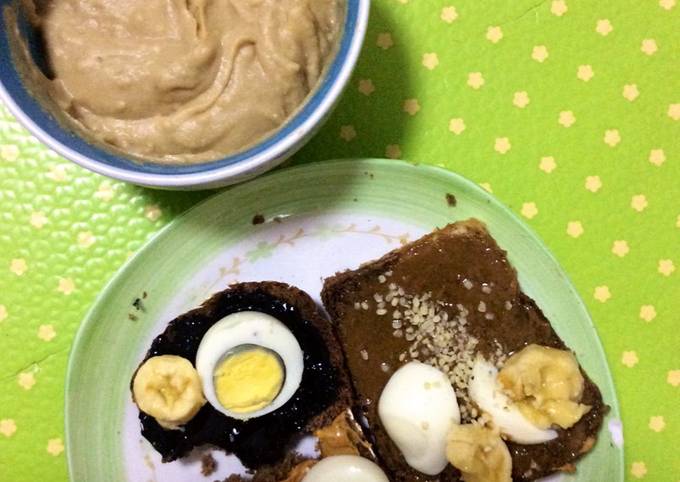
[567, 110]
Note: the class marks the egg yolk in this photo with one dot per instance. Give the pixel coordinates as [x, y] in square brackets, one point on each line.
[248, 380]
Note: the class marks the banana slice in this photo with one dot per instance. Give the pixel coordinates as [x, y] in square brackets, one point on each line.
[168, 388]
[479, 453]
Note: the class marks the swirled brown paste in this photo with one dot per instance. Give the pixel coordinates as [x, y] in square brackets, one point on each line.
[182, 81]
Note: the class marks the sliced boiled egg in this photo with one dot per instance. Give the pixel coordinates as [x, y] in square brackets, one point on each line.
[486, 391]
[345, 468]
[417, 407]
[249, 364]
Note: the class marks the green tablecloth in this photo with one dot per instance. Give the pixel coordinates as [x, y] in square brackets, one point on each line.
[567, 110]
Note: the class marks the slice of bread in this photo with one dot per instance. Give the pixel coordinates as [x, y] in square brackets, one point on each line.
[463, 279]
[263, 442]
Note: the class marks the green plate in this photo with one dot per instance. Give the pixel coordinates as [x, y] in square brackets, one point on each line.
[318, 219]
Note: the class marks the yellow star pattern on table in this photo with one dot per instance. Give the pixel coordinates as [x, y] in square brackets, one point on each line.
[657, 423]
[502, 145]
[411, 106]
[18, 266]
[647, 312]
[539, 53]
[520, 99]
[639, 202]
[3, 313]
[604, 27]
[57, 173]
[384, 40]
[104, 192]
[66, 286]
[38, 219]
[574, 229]
[629, 358]
[566, 118]
[649, 46]
[529, 210]
[666, 267]
[494, 34]
[667, 4]
[674, 111]
[547, 164]
[593, 183]
[585, 73]
[449, 14]
[638, 469]
[85, 239]
[657, 156]
[612, 137]
[630, 92]
[475, 80]
[366, 86]
[55, 446]
[46, 332]
[26, 380]
[602, 293]
[673, 377]
[430, 60]
[8, 427]
[457, 125]
[620, 248]
[9, 152]
[558, 7]
[347, 132]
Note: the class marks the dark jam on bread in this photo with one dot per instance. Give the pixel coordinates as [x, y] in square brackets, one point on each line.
[264, 440]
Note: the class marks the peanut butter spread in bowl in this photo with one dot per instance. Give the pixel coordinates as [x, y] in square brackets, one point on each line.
[185, 81]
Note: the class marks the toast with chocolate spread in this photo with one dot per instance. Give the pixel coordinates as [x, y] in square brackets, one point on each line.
[464, 280]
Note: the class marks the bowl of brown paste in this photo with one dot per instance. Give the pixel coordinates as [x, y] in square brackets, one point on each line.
[177, 94]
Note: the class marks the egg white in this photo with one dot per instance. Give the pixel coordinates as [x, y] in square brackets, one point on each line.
[417, 407]
[249, 328]
[345, 468]
[486, 391]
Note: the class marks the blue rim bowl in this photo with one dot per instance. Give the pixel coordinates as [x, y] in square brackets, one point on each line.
[265, 155]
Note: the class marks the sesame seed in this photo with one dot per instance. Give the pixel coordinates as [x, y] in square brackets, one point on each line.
[357, 305]
[396, 315]
[377, 297]
[364, 354]
[481, 307]
[381, 311]
[508, 305]
[382, 278]
[486, 289]
[467, 284]
[384, 367]
[364, 305]
[489, 316]
[388, 273]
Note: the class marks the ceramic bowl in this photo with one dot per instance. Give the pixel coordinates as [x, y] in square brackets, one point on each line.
[266, 154]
